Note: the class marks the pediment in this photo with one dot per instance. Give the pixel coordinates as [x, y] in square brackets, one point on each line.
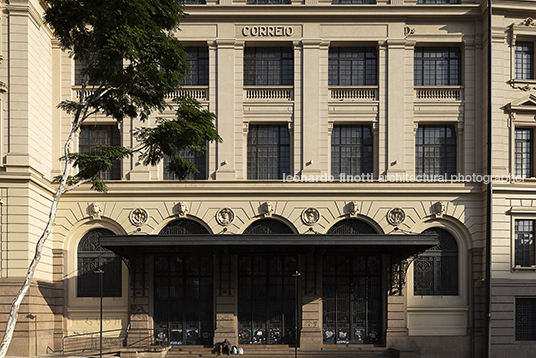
[526, 103]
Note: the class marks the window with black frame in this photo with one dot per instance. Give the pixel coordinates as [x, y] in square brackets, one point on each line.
[435, 151]
[268, 2]
[197, 58]
[95, 135]
[351, 150]
[437, 66]
[268, 66]
[356, 2]
[268, 152]
[524, 60]
[197, 158]
[525, 319]
[524, 153]
[524, 243]
[353, 66]
[93, 257]
[435, 271]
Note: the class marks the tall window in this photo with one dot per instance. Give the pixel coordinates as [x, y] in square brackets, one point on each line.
[526, 319]
[438, 1]
[198, 60]
[436, 270]
[524, 154]
[93, 257]
[351, 150]
[268, 152]
[352, 66]
[524, 243]
[524, 60]
[435, 151]
[197, 158]
[268, 66]
[437, 66]
[94, 135]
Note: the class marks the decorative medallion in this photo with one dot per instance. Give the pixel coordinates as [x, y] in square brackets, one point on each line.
[267, 209]
[95, 210]
[181, 209]
[353, 208]
[225, 216]
[138, 217]
[396, 216]
[438, 209]
[408, 31]
[310, 216]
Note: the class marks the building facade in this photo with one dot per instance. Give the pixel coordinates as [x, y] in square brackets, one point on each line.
[354, 138]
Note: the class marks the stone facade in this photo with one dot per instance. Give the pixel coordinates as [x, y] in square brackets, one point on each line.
[35, 75]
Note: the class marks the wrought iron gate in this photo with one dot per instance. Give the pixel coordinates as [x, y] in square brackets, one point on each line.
[183, 304]
[266, 303]
[351, 287]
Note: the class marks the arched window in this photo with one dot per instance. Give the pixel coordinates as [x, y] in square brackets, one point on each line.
[436, 269]
[184, 227]
[268, 226]
[92, 257]
[351, 227]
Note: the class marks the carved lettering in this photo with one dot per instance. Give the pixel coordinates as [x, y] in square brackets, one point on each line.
[267, 31]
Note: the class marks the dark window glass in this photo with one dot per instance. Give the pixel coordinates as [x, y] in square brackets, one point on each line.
[524, 243]
[435, 151]
[268, 152]
[526, 319]
[352, 66]
[194, 2]
[81, 65]
[268, 2]
[93, 257]
[184, 227]
[351, 227]
[524, 60]
[437, 66]
[94, 135]
[268, 226]
[353, 2]
[197, 58]
[197, 158]
[438, 1]
[524, 155]
[268, 66]
[351, 150]
[436, 270]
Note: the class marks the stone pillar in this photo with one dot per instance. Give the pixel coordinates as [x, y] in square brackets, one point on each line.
[140, 297]
[226, 298]
[58, 262]
[311, 331]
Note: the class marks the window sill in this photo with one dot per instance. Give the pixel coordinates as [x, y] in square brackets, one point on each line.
[523, 268]
[523, 84]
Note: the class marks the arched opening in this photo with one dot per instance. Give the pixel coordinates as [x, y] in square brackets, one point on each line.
[351, 227]
[268, 226]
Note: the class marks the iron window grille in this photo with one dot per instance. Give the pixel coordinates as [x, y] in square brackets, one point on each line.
[353, 66]
[524, 243]
[268, 66]
[184, 227]
[435, 151]
[437, 66]
[351, 227]
[438, 1]
[436, 270]
[93, 257]
[525, 319]
[524, 153]
[351, 150]
[524, 60]
[95, 135]
[197, 58]
[197, 158]
[268, 152]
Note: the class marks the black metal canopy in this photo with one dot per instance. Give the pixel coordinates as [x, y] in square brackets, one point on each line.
[402, 245]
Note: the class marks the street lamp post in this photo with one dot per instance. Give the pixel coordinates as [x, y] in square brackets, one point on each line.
[296, 275]
[100, 272]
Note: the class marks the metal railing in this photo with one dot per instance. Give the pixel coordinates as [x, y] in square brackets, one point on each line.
[89, 342]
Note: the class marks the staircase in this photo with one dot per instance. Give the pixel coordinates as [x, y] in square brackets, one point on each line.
[282, 351]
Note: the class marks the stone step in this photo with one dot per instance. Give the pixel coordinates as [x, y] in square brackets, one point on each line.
[266, 351]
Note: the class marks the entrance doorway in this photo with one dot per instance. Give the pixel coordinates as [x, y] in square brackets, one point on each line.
[351, 299]
[266, 302]
[183, 299]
